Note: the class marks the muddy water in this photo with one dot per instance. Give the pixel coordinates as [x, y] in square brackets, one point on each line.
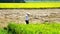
[36, 15]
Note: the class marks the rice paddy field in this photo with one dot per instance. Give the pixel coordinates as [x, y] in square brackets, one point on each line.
[30, 5]
[46, 28]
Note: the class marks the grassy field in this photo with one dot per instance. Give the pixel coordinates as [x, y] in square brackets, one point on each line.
[52, 28]
[30, 5]
[2, 31]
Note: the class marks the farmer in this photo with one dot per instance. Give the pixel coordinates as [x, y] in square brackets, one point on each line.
[27, 18]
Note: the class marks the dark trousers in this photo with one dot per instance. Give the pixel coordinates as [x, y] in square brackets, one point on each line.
[27, 21]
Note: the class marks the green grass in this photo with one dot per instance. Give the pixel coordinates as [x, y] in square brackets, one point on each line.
[30, 5]
[13, 28]
[2, 31]
[52, 28]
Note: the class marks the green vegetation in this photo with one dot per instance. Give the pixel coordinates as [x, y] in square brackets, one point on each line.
[35, 28]
[52, 28]
[2, 31]
[31, 5]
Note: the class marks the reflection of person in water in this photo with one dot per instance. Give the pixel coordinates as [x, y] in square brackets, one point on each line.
[12, 1]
